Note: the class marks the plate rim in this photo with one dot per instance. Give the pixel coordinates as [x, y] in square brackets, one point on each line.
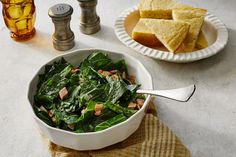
[216, 47]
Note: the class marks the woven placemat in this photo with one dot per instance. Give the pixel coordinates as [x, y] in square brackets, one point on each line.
[152, 139]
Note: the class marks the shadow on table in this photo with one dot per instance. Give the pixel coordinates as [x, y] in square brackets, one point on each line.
[202, 141]
[107, 34]
[43, 43]
[216, 66]
[215, 72]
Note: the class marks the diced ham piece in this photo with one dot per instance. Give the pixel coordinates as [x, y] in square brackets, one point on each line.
[140, 103]
[113, 71]
[75, 70]
[71, 126]
[104, 73]
[132, 78]
[98, 113]
[114, 77]
[98, 109]
[50, 113]
[100, 71]
[63, 93]
[132, 105]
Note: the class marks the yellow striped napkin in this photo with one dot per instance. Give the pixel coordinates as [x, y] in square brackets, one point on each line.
[152, 139]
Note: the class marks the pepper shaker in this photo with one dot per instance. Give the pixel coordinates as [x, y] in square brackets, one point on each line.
[89, 21]
[63, 37]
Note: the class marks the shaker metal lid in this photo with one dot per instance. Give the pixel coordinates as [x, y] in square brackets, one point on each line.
[60, 10]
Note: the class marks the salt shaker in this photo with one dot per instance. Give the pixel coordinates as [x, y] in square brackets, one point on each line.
[63, 37]
[89, 21]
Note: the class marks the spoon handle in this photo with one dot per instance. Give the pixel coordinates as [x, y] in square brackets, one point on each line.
[179, 94]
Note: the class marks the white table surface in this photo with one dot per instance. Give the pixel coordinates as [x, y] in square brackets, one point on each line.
[206, 124]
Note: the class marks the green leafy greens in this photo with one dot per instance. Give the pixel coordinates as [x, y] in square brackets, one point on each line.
[97, 94]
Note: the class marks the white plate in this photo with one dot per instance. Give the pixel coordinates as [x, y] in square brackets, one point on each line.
[215, 31]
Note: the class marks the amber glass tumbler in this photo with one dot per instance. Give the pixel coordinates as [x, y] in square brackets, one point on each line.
[19, 17]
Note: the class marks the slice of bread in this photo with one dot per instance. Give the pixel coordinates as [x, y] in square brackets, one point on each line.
[194, 17]
[142, 34]
[201, 41]
[160, 9]
[169, 32]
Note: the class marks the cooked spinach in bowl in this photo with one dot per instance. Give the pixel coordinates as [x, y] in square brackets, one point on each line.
[92, 97]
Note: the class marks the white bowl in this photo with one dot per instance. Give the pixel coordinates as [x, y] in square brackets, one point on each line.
[215, 31]
[104, 138]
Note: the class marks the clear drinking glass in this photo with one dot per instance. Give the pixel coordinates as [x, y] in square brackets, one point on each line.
[19, 17]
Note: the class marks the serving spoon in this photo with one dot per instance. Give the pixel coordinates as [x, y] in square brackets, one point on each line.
[179, 94]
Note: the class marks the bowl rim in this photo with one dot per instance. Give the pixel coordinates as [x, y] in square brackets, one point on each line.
[217, 46]
[87, 133]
